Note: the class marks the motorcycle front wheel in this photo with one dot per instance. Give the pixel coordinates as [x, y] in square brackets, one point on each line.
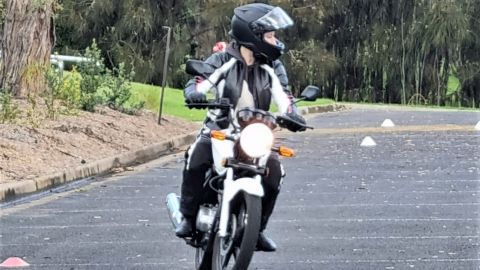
[203, 255]
[242, 235]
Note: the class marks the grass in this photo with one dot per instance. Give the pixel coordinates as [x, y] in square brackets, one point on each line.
[453, 85]
[174, 102]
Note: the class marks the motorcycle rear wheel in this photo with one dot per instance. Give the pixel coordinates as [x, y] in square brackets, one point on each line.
[242, 235]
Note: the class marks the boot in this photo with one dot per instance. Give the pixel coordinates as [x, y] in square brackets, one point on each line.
[185, 228]
[266, 244]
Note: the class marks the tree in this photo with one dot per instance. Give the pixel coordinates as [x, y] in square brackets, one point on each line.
[401, 51]
[128, 31]
[28, 38]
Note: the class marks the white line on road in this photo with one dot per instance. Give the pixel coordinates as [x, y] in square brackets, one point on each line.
[399, 219]
[418, 260]
[349, 238]
[168, 224]
[376, 204]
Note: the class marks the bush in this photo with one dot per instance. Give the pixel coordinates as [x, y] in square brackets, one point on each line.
[118, 90]
[8, 110]
[92, 72]
[70, 92]
[50, 95]
[100, 85]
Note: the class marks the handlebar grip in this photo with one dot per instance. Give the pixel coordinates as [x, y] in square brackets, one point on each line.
[199, 106]
[210, 104]
[287, 122]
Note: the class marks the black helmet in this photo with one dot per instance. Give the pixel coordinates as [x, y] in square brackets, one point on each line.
[251, 21]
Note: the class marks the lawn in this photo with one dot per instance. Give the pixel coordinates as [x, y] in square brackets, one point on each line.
[173, 101]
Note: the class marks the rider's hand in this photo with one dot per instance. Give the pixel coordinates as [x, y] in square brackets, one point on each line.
[295, 122]
[196, 97]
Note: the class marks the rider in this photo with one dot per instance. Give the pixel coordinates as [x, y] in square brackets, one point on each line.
[251, 76]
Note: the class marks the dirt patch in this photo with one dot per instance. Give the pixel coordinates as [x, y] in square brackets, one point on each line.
[28, 152]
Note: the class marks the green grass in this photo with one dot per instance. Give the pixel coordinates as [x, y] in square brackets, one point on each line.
[453, 84]
[320, 101]
[174, 102]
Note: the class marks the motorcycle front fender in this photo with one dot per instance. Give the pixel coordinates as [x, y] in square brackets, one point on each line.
[249, 185]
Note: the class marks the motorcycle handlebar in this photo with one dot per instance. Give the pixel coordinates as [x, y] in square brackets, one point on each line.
[210, 104]
[224, 104]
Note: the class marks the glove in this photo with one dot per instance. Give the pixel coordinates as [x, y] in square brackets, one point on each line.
[293, 122]
[196, 97]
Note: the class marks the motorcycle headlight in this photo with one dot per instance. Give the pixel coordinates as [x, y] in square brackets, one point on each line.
[256, 140]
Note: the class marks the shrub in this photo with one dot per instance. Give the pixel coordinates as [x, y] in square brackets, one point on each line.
[8, 110]
[50, 95]
[93, 72]
[118, 90]
[70, 91]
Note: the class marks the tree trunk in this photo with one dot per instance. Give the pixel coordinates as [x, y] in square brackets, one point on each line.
[28, 39]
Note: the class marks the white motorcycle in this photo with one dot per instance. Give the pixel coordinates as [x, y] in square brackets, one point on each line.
[228, 221]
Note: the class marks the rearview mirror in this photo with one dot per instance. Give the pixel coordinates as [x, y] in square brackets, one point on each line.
[310, 93]
[198, 68]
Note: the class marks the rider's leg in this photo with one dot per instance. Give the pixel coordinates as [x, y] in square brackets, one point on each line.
[198, 160]
[271, 186]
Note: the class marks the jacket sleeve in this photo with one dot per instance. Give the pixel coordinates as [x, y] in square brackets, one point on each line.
[216, 60]
[281, 73]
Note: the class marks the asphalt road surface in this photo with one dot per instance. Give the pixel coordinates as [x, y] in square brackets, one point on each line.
[410, 202]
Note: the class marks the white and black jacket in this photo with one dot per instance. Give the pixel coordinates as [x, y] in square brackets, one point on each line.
[231, 72]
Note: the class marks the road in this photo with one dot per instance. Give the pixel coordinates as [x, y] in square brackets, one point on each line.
[410, 202]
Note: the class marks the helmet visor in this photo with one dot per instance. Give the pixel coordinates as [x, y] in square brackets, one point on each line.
[276, 19]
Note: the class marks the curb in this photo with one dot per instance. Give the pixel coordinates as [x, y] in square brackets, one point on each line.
[10, 191]
[322, 109]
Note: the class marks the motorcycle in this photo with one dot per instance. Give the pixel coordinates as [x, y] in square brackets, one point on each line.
[228, 221]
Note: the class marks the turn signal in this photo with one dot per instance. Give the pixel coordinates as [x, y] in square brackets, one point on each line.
[286, 152]
[217, 134]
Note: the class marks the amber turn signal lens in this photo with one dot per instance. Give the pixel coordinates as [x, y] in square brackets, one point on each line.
[285, 151]
[217, 134]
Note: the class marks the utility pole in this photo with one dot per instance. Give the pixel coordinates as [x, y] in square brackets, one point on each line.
[164, 80]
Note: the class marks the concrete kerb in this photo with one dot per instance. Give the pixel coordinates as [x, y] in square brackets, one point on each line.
[103, 166]
[12, 190]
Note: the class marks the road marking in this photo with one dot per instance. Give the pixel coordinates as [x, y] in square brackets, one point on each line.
[342, 238]
[396, 129]
[41, 227]
[418, 260]
[399, 237]
[169, 224]
[377, 204]
[114, 265]
[52, 212]
[257, 264]
[95, 243]
[386, 192]
[399, 219]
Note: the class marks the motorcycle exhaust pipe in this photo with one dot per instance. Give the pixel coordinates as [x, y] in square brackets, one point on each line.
[173, 207]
